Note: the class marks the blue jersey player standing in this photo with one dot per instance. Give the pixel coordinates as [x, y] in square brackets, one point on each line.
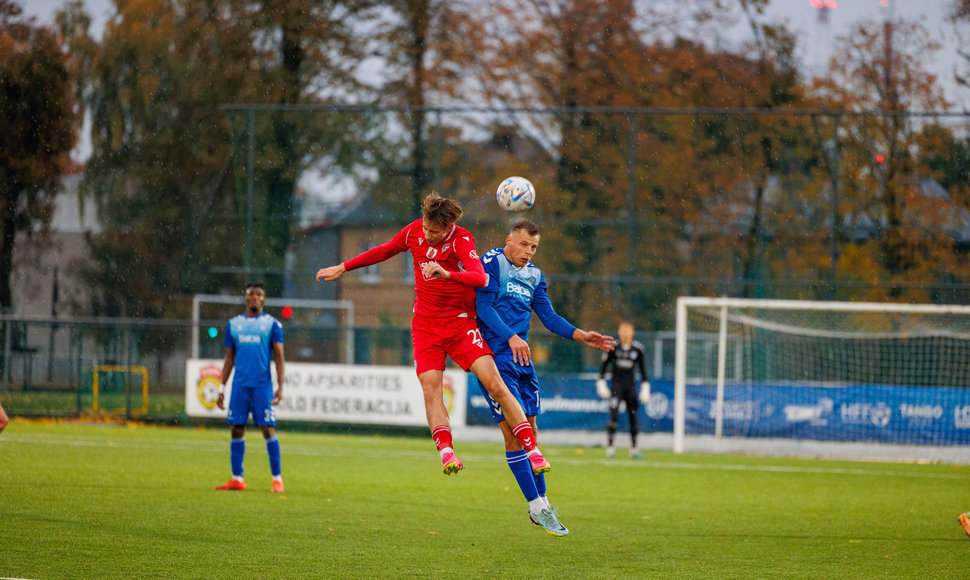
[253, 340]
[515, 289]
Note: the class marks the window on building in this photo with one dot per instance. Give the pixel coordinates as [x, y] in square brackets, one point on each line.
[407, 269]
[369, 274]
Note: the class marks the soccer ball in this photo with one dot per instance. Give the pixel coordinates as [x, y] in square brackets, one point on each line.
[515, 194]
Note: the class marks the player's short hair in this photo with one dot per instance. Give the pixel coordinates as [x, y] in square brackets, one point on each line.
[626, 323]
[440, 210]
[251, 285]
[525, 224]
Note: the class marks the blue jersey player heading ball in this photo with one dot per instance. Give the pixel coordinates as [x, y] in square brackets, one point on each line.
[253, 340]
[515, 289]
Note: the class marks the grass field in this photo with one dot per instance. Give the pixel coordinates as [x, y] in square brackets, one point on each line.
[86, 501]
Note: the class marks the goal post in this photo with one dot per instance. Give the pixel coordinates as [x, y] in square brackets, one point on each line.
[139, 370]
[830, 371]
[314, 306]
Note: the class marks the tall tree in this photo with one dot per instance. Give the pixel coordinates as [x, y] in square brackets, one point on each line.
[315, 52]
[153, 86]
[422, 46]
[572, 55]
[40, 123]
[880, 68]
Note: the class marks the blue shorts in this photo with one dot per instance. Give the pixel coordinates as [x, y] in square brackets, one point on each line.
[521, 381]
[255, 400]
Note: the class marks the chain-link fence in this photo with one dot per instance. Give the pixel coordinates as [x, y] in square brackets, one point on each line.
[135, 369]
[639, 206]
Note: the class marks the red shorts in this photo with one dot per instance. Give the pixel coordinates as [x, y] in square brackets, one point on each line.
[434, 338]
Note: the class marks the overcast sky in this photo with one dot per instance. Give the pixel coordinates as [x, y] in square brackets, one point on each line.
[814, 36]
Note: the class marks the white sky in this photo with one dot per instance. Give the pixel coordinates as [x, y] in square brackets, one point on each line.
[801, 17]
[814, 38]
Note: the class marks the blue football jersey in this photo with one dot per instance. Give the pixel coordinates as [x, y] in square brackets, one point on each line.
[515, 289]
[253, 338]
[506, 303]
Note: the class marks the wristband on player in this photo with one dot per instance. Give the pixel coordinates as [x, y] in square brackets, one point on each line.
[222, 388]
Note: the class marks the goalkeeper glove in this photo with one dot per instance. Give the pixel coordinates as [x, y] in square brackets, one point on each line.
[601, 389]
[645, 392]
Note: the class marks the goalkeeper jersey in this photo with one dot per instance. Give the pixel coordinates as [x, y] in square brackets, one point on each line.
[624, 360]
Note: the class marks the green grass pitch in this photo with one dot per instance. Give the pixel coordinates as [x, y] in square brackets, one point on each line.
[97, 501]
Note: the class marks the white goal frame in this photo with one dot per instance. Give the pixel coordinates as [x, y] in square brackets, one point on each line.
[346, 305]
[680, 334]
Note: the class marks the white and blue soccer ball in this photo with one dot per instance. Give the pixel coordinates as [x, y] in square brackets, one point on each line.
[515, 194]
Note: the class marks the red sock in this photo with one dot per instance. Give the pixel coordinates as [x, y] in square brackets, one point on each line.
[442, 436]
[523, 432]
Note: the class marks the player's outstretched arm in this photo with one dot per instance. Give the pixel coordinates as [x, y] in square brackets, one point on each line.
[331, 273]
[594, 339]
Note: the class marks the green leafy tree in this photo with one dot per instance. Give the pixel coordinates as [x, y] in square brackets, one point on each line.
[39, 117]
[161, 170]
[422, 47]
[313, 49]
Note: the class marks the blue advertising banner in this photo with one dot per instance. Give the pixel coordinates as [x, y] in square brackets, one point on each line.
[870, 413]
[568, 402]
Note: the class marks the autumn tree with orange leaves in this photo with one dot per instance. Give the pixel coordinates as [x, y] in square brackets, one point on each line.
[906, 238]
[660, 216]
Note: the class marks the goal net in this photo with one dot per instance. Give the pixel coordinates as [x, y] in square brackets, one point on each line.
[830, 371]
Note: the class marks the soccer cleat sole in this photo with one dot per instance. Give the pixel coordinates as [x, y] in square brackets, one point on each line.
[964, 520]
[544, 467]
[538, 463]
[453, 467]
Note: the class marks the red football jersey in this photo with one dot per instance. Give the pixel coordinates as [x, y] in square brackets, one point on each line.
[456, 253]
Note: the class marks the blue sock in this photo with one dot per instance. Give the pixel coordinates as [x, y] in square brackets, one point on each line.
[522, 470]
[237, 450]
[540, 481]
[273, 448]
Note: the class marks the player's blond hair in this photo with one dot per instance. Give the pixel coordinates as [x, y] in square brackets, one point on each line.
[439, 210]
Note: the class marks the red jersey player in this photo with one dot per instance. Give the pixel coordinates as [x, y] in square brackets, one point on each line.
[446, 273]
